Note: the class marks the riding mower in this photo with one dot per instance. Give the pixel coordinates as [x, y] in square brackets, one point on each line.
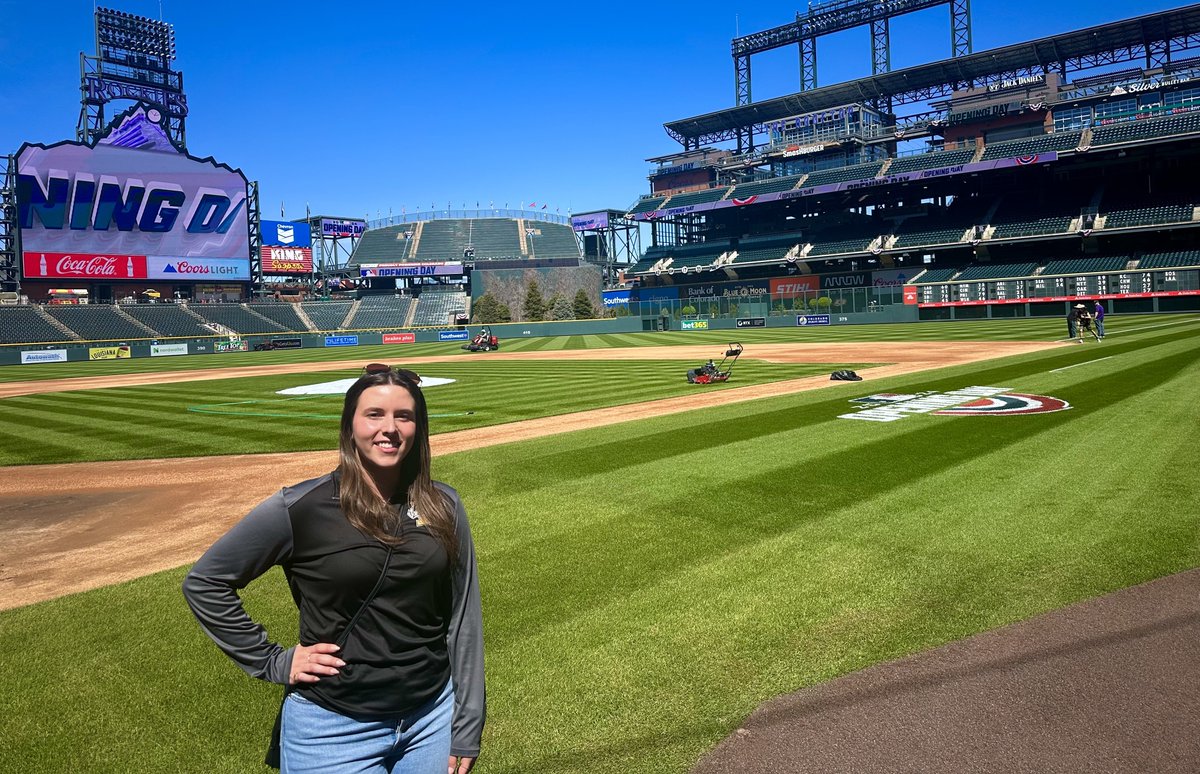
[710, 373]
[484, 342]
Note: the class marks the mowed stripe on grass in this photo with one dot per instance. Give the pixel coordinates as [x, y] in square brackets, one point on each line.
[646, 585]
[1036, 329]
[242, 416]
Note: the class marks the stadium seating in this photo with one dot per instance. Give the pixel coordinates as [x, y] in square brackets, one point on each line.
[443, 240]
[435, 307]
[1019, 228]
[696, 197]
[554, 240]
[1029, 146]
[769, 254]
[381, 312]
[1147, 216]
[491, 238]
[844, 174]
[758, 188]
[1186, 123]
[383, 245]
[936, 275]
[1170, 260]
[282, 312]
[98, 322]
[841, 246]
[167, 319]
[997, 271]
[1085, 265]
[917, 232]
[933, 160]
[236, 317]
[647, 205]
[326, 315]
[23, 324]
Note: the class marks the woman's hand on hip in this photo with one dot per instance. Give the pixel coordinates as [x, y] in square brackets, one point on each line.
[460, 764]
[312, 662]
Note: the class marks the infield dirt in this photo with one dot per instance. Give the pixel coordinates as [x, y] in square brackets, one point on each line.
[72, 527]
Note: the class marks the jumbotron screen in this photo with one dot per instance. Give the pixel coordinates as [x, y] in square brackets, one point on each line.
[114, 212]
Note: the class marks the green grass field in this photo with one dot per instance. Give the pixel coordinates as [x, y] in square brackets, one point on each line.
[647, 584]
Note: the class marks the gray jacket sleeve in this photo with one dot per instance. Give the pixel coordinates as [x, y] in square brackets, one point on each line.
[262, 539]
[465, 641]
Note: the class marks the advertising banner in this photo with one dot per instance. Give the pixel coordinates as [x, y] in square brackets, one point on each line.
[335, 227]
[236, 345]
[859, 280]
[693, 325]
[288, 343]
[891, 278]
[44, 356]
[910, 294]
[53, 265]
[751, 322]
[200, 269]
[284, 234]
[287, 260]
[341, 341]
[167, 350]
[790, 287]
[593, 221]
[453, 335]
[812, 319]
[613, 298]
[108, 353]
[441, 269]
[657, 294]
[399, 338]
[107, 205]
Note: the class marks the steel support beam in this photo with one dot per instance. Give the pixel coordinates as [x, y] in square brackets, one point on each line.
[881, 48]
[741, 75]
[255, 216]
[10, 234]
[960, 27]
[808, 64]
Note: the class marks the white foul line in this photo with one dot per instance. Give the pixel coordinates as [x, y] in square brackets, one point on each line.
[1064, 368]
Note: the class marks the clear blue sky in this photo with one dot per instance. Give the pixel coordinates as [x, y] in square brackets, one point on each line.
[358, 107]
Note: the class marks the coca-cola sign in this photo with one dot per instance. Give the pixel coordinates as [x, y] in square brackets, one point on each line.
[83, 266]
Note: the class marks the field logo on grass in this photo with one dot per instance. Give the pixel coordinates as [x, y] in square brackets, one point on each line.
[969, 401]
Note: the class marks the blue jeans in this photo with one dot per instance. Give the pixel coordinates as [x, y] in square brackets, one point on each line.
[1100, 327]
[314, 739]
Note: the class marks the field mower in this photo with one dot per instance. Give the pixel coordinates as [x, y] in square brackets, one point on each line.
[484, 342]
[710, 372]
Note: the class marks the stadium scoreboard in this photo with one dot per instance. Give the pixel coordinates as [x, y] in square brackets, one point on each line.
[1131, 284]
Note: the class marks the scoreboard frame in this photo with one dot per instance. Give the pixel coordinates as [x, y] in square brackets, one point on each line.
[1147, 283]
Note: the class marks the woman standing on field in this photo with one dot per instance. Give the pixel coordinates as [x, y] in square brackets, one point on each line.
[388, 675]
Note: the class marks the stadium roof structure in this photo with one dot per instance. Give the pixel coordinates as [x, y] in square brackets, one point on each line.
[1153, 37]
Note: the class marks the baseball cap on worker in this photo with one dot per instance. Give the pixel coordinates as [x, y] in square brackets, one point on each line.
[1080, 306]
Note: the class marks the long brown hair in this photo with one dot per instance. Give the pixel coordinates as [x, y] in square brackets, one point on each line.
[365, 509]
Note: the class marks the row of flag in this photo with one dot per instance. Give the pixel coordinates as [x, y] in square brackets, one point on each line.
[432, 206]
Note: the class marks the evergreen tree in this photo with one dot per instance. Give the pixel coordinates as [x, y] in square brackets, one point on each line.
[583, 306]
[560, 308]
[488, 309]
[535, 305]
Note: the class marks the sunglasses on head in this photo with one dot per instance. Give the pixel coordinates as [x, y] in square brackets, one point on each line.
[383, 368]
